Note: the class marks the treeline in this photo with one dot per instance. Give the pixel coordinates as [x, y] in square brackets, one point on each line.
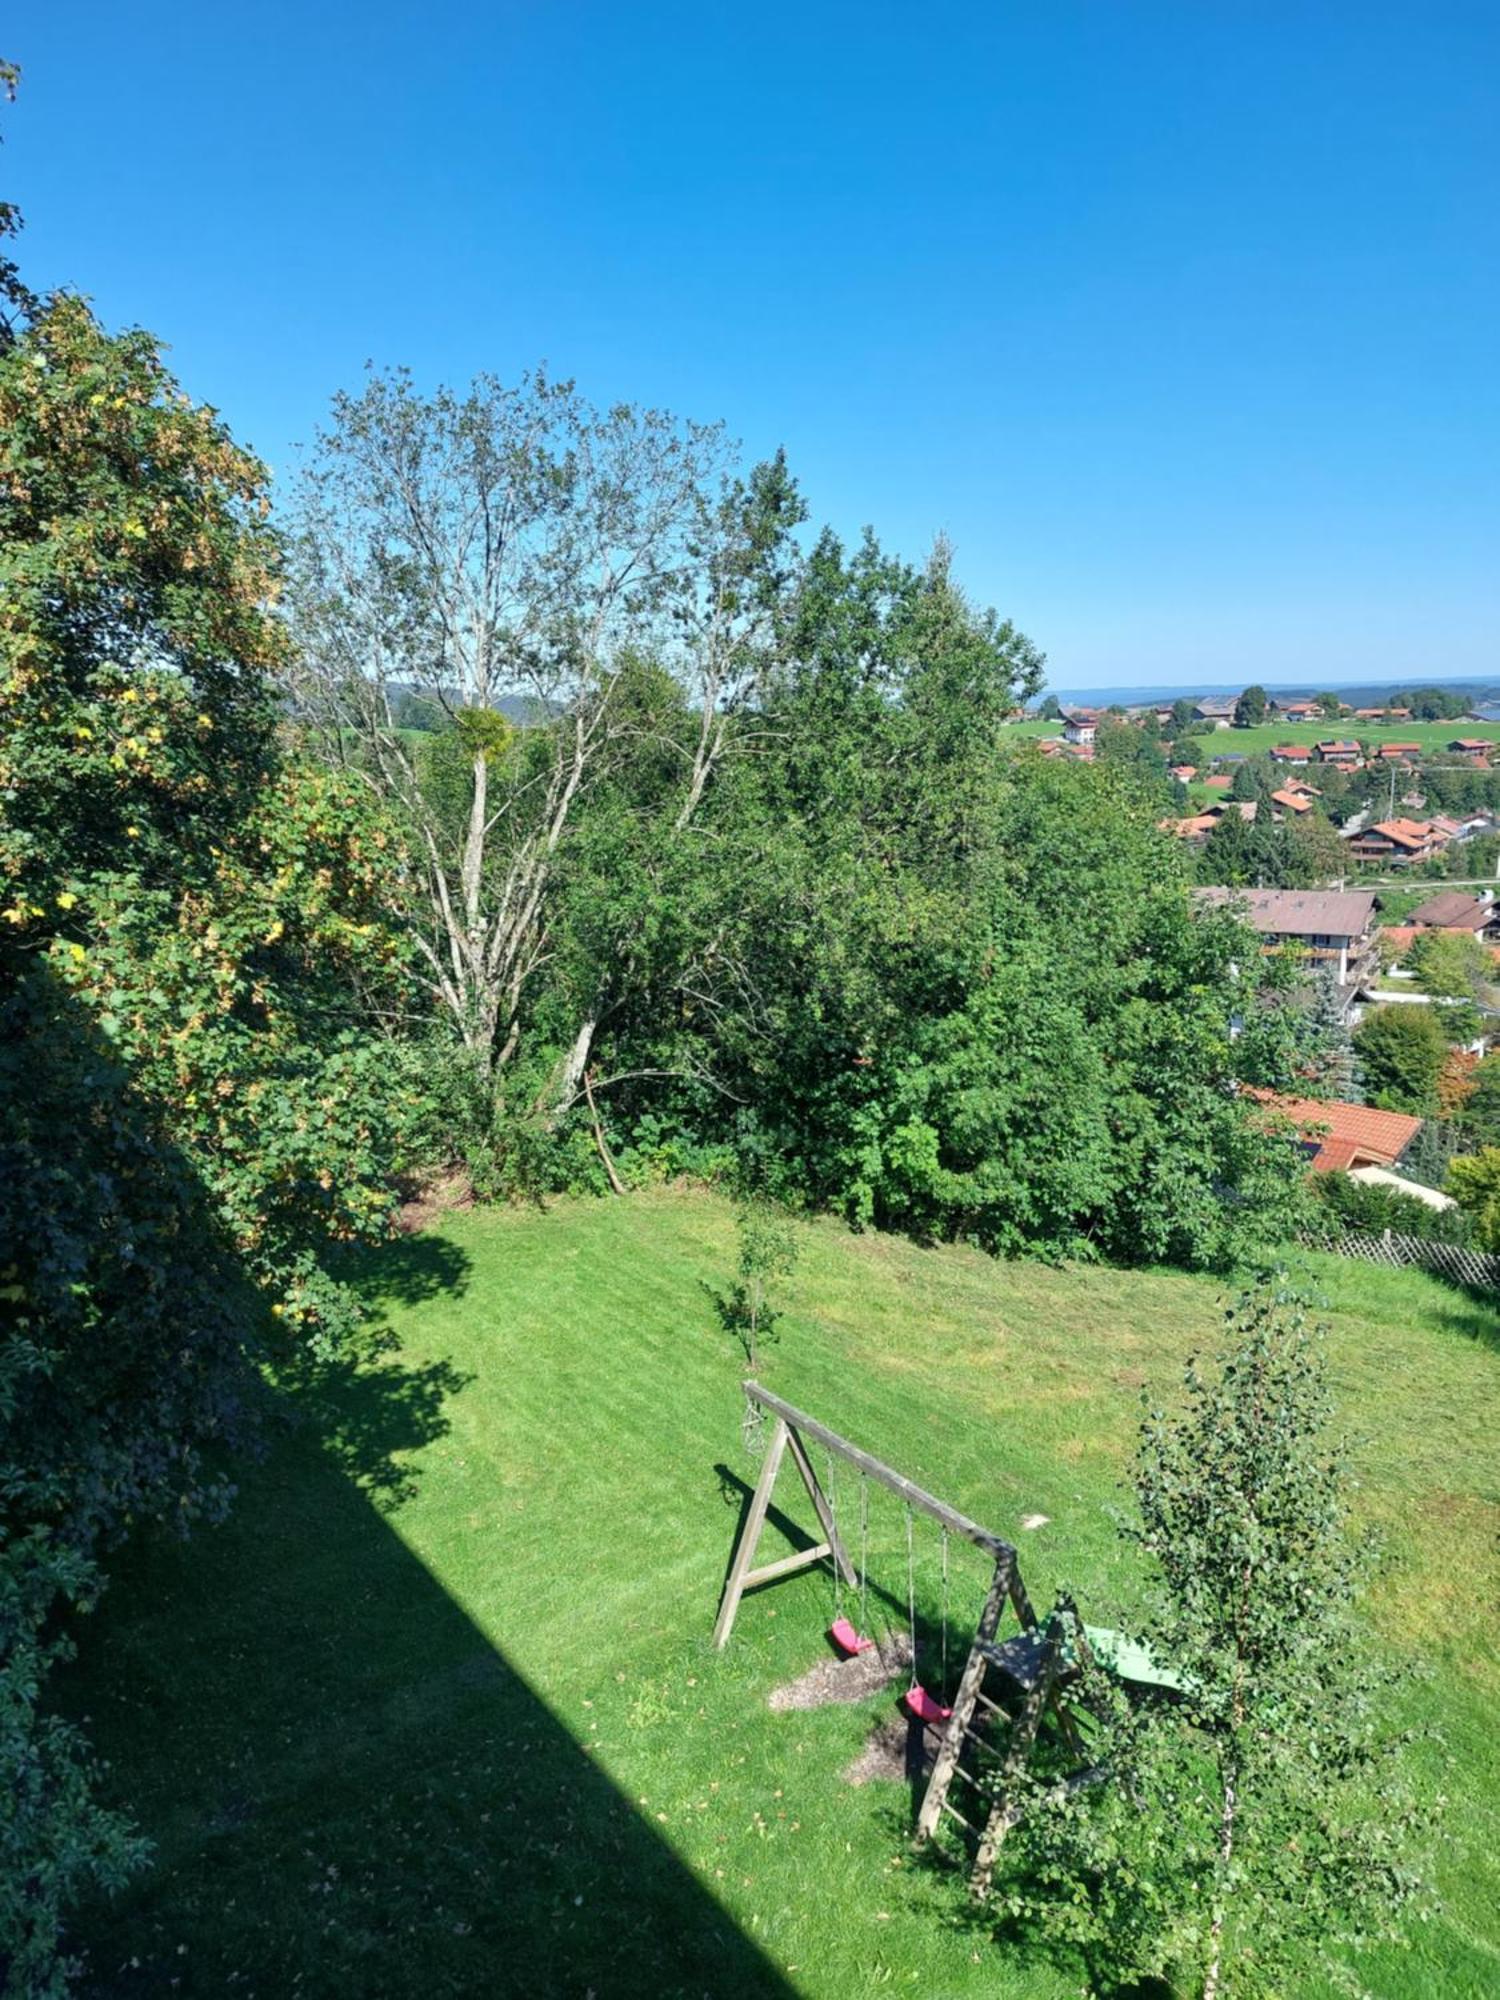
[716, 862]
[766, 891]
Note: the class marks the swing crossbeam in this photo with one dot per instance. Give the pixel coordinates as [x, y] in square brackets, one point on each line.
[883, 1475]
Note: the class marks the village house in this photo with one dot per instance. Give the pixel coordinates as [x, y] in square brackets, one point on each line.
[1332, 927]
[1336, 750]
[1454, 910]
[1293, 802]
[1292, 753]
[1403, 841]
[1296, 711]
[1399, 753]
[1217, 709]
[1080, 725]
[1339, 1138]
[1196, 828]
[1475, 748]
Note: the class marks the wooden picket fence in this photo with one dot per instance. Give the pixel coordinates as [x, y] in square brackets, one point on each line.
[1449, 1260]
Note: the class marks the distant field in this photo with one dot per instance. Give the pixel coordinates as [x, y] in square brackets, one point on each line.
[1433, 736]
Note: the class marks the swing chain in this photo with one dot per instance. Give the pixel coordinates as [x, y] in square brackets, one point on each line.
[833, 1516]
[753, 1430]
[864, 1553]
[945, 1608]
[911, 1594]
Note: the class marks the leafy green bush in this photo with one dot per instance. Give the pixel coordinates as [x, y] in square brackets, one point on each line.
[1369, 1206]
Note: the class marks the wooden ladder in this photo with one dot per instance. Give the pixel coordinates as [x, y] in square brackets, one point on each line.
[1001, 1736]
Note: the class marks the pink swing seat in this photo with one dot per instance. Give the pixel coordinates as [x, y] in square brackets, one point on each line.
[925, 1707]
[847, 1639]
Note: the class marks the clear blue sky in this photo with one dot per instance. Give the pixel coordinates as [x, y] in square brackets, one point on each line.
[1180, 320]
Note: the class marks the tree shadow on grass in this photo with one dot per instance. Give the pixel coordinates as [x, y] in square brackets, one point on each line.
[351, 1790]
[1478, 1318]
[409, 1270]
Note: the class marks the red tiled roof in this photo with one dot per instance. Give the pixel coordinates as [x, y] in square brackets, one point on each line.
[1297, 802]
[1401, 832]
[1345, 1132]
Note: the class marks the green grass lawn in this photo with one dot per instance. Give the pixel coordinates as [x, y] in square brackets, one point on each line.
[1434, 737]
[436, 1712]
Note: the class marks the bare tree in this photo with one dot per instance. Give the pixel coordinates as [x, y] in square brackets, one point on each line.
[503, 552]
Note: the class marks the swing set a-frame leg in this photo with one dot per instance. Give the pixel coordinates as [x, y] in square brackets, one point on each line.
[741, 1576]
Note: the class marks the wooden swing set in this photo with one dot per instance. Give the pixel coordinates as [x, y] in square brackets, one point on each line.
[986, 1736]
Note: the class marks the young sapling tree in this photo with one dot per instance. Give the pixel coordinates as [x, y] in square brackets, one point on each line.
[1257, 1826]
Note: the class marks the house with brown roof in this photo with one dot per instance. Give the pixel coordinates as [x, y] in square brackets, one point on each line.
[1333, 927]
[1337, 1137]
[1292, 753]
[1079, 725]
[1292, 802]
[1471, 746]
[1396, 841]
[1337, 750]
[1217, 709]
[1399, 753]
[1196, 828]
[1454, 910]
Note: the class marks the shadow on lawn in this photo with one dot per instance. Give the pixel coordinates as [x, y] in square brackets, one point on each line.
[1478, 1318]
[351, 1791]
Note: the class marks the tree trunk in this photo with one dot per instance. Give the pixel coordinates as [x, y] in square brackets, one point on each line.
[574, 1065]
[1226, 1852]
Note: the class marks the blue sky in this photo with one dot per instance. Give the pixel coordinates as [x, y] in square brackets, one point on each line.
[1180, 320]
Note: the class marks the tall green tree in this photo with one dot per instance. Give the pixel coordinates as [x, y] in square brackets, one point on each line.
[1474, 1183]
[1232, 1846]
[1402, 1051]
[1250, 708]
[1479, 1115]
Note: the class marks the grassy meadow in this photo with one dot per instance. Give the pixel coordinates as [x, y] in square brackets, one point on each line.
[1434, 737]
[435, 1712]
